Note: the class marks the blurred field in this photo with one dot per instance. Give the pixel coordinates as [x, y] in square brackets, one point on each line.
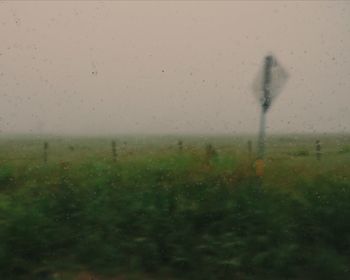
[166, 211]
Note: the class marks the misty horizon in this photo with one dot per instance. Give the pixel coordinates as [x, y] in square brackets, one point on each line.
[172, 68]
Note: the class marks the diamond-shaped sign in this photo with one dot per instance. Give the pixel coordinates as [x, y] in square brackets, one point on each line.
[269, 82]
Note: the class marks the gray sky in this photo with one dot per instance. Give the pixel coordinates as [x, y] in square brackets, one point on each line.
[171, 67]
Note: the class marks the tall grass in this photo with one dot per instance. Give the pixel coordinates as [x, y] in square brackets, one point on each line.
[170, 213]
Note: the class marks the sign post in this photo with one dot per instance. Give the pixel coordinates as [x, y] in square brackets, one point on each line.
[267, 86]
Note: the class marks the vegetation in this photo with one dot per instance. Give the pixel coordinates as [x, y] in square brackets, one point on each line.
[155, 211]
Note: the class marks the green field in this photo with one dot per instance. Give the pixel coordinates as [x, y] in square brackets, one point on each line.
[161, 211]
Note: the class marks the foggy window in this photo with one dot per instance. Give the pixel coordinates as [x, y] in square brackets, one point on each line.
[174, 140]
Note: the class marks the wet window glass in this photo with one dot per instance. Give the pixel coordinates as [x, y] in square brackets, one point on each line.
[174, 140]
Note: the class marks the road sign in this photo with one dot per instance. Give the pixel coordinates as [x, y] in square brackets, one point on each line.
[266, 87]
[269, 81]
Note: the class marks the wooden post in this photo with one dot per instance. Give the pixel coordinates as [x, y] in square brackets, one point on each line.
[318, 150]
[210, 153]
[114, 151]
[180, 145]
[46, 147]
[64, 166]
[250, 148]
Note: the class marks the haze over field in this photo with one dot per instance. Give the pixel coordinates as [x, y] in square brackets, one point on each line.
[171, 67]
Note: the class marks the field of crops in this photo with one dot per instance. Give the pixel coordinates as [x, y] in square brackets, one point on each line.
[171, 207]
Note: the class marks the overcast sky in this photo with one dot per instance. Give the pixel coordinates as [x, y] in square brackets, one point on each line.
[171, 67]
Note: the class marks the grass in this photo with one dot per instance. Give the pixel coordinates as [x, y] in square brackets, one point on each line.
[159, 212]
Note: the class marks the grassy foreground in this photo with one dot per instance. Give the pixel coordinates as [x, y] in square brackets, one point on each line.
[170, 212]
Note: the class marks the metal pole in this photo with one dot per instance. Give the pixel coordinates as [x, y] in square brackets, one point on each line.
[259, 163]
[261, 137]
[265, 104]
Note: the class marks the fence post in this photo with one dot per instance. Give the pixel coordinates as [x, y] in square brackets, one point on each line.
[250, 148]
[64, 166]
[318, 150]
[114, 151]
[210, 153]
[46, 147]
[180, 145]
